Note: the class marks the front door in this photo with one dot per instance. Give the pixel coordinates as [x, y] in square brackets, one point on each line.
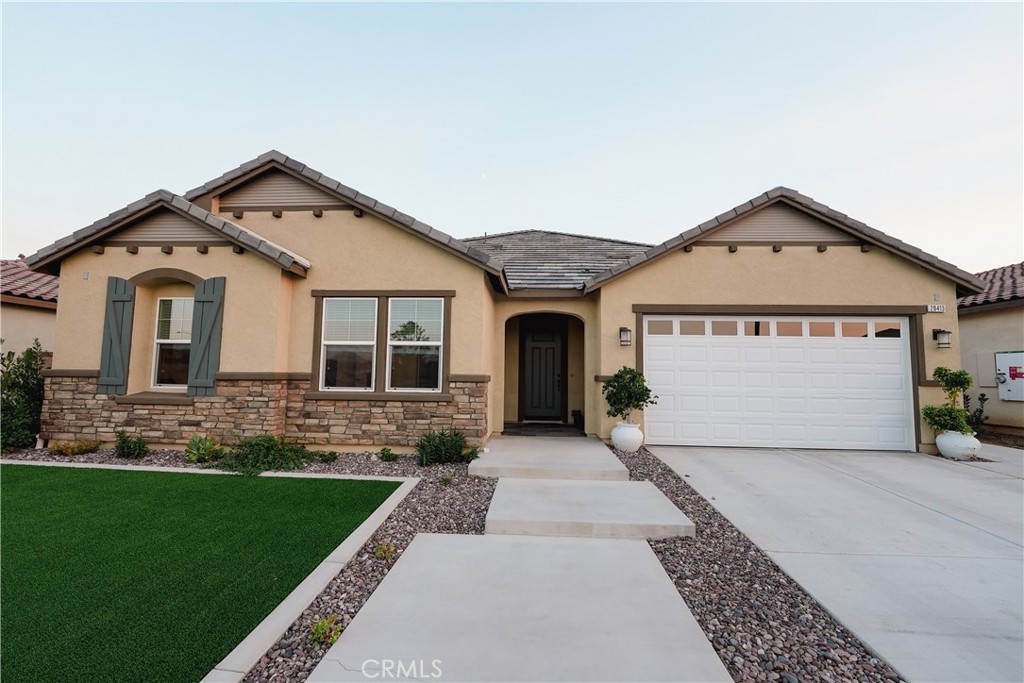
[542, 368]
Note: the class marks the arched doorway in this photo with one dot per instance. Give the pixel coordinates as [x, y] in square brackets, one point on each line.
[544, 370]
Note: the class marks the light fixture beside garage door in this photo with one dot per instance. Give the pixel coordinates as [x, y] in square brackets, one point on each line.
[625, 336]
[943, 338]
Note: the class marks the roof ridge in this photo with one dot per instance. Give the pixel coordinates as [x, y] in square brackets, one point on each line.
[555, 232]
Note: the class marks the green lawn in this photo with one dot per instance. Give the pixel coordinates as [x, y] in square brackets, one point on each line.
[118, 575]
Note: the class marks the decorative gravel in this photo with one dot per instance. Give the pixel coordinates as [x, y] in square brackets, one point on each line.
[762, 624]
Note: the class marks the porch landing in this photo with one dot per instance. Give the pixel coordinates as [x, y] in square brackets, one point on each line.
[538, 457]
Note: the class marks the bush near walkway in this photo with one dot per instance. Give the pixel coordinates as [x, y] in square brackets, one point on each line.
[21, 396]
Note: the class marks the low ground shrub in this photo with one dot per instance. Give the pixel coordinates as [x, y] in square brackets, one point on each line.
[444, 445]
[129, 447]
[388, 455]
[203, 449]
[255, 454]
[76, 447]
[325, 632]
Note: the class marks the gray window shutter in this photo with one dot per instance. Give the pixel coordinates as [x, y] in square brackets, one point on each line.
[117, 336]
[207, 318]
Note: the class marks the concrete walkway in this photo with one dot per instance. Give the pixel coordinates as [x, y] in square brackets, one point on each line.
[919, 556]
[530, 600]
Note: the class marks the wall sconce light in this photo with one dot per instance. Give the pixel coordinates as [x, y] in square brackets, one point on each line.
[943, 338]
[625, 336]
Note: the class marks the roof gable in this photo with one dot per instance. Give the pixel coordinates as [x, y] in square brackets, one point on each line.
[149, 215]
[274, 161]
[861, 232]
[777, 223]
[277, 189]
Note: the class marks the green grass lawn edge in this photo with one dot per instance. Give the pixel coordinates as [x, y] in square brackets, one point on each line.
[112, 575]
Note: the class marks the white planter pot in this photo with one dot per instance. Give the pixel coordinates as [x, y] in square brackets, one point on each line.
[627, 437]
[957, 446]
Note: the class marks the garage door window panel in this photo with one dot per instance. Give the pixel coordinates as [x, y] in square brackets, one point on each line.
[692, 328]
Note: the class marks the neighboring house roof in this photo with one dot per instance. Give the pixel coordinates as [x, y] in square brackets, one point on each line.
[966, 283]
[278, 161]
[18, 282]
[1003, 286]
[50, 257]
[541, 259]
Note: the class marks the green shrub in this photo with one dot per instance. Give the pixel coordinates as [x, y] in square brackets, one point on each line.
[203, 449]
[326, 456]
[976, 417]
[444, 445]
[388, 455]
[385, 551]
[625, 392]
[21, 397]
[946, 418]
[129, 447]
[324, 632]
[76, 447]
[256, 454]
[446, 479]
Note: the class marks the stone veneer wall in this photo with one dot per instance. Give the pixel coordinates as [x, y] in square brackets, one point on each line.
[383, 422]
[72, 409]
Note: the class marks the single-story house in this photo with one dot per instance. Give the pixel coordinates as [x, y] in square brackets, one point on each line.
[28, 306]
[991, 329]
[275, 299]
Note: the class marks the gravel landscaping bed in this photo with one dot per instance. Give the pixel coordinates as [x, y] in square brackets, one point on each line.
[762, 624]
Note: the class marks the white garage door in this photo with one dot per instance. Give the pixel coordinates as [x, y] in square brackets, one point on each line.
[793, 382]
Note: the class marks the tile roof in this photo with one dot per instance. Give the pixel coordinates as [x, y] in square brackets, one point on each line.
[966, 283]
[541, 259]
[229, 230]
[273, 158]
[17, 280]
[1003, 284]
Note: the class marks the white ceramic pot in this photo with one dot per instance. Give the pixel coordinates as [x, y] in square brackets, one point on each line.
[957, 445]
[627, 437]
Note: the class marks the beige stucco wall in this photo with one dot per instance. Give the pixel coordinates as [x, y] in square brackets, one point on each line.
[796, 276]
[252, 304]
[350, 253]
[982, 334]
[22, 325]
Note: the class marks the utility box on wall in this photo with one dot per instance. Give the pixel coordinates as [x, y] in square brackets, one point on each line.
[1010, 375]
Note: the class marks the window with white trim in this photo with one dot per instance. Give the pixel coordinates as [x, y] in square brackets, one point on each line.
[415, 338]
[173, 342]
[349, 344]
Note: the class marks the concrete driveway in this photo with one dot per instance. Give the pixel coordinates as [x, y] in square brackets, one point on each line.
[919, 556]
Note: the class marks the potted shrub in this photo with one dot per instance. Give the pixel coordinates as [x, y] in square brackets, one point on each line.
[953, 434]
[625, 392]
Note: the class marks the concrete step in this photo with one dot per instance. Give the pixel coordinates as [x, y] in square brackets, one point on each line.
[528, 457]
[590, 509]
[523, 608]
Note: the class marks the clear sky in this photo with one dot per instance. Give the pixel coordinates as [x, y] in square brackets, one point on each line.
[629, 121]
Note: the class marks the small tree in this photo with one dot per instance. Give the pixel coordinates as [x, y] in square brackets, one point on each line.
[625, 392]
[949, 417]
[21, 396]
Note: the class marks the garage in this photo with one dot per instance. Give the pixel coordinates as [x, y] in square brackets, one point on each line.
[779, 381]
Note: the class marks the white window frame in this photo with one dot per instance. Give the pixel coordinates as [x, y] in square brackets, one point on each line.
[157, 342]
[324, 344]
[439, 344]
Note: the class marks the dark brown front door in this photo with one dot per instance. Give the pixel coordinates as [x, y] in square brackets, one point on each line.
[542, 375]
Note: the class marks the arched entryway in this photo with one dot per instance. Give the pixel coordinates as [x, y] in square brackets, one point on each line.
[544, 370]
